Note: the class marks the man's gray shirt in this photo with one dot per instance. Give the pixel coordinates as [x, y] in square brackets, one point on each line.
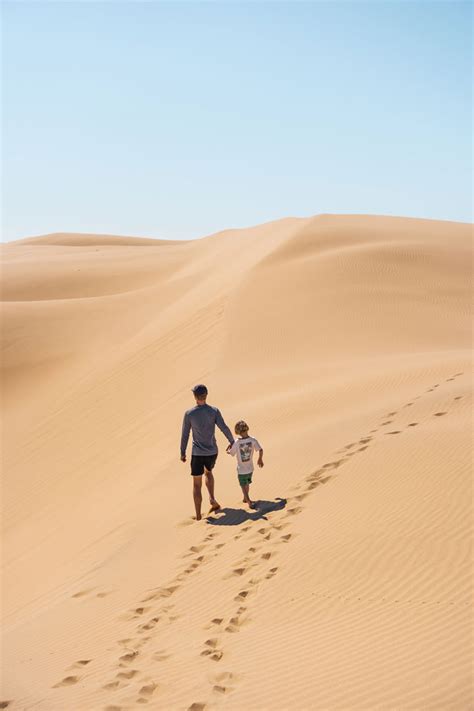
[203, 419]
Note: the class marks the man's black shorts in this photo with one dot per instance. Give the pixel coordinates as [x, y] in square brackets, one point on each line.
[199, 462]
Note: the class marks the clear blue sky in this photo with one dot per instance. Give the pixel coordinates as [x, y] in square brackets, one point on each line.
[178, 119]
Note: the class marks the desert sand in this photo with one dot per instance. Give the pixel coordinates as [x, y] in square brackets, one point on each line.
[345, 343]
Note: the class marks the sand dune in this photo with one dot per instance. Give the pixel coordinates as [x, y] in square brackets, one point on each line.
[345, 342]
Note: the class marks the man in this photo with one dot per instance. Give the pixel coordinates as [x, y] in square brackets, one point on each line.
[202, 420]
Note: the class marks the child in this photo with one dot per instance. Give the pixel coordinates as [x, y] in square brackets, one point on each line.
[244, 448]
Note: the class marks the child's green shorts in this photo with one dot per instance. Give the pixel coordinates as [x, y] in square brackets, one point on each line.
[245, 479]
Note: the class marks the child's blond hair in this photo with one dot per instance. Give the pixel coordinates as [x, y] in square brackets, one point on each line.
[241, 427]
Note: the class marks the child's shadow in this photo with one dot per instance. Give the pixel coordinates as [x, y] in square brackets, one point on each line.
[234, 517]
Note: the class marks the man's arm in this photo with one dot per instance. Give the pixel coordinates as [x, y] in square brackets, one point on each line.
[185, 435]
[223, 427]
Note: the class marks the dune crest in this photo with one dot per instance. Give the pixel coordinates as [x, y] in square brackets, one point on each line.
[345, 343]
[74, 239]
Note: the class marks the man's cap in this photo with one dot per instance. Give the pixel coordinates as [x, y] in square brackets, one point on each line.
[200, 389]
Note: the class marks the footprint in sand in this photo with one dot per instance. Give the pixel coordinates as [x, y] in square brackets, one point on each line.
[148, 690]
[333, 465]
[133, 614]
[215, 622]
[300, 497]
[161, 592]
[286, 538]
[197, 549]
[190, 568]
[111, 686]
[125, 642]
[218, 689]
[224, 683]
[412, 424]
[388, 422]
[160, 655]
[439, 414]
[212, 643]
[127, 674]
[5, 704]
[242, 595]
[394, 432]
[459, 397]
[294, 510]
[225, 677]
[361, 449]
[148, 625]
[81, 593]
[234, 623]
[271, 573]
[236, 571]
[280, 526]
[67, 681]
[197, 706]
[79, 663]
[129, 657]
[211, 650]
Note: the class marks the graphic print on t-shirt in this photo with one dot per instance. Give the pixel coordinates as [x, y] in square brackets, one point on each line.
[245, 451]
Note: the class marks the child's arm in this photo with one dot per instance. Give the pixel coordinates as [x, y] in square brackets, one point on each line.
[258, 448]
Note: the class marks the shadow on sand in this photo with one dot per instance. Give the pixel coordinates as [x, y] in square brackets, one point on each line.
[234, 517]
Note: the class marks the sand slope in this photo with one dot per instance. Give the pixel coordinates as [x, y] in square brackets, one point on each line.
[345, 342]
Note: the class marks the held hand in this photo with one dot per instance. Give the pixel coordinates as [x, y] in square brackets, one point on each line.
[260, 463]
[228, 448]
[183, 457]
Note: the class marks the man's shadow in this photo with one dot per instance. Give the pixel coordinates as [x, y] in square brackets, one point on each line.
[234, 517]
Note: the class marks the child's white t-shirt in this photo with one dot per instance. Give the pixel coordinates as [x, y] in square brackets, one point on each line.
[244, 449]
